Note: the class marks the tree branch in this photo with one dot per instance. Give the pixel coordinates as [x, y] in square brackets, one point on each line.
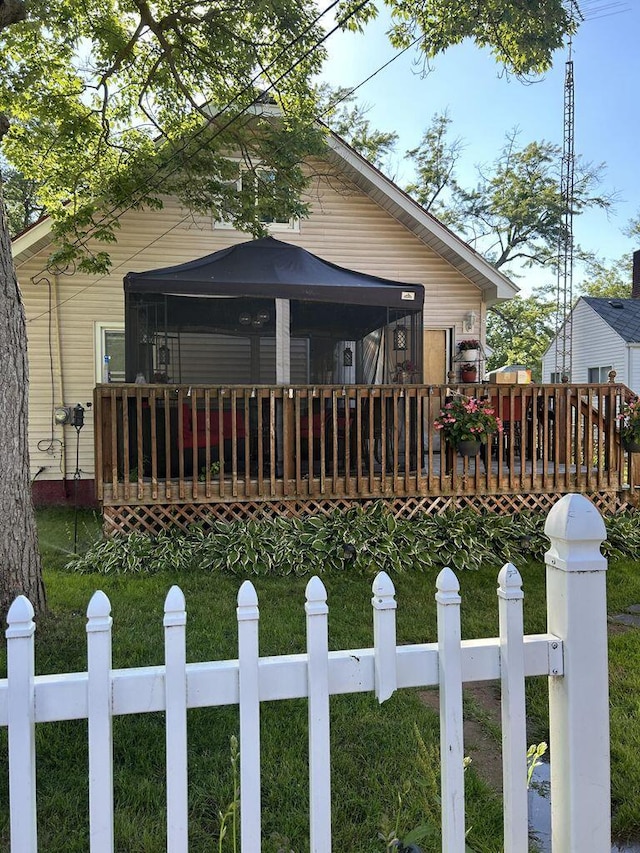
[12, 11]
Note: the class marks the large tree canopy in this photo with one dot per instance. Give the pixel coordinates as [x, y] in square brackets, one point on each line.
[521, 34]
[113, 104]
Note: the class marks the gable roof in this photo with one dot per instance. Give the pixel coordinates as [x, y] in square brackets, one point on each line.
[623, 315]
[493, 284]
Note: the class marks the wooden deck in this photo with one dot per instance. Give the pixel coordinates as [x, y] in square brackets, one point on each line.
[181, 454]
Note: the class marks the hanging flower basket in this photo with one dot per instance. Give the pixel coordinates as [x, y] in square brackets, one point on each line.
[629, 419]
[466, 419]
[469, 354]
[469, 448]
[469, 349]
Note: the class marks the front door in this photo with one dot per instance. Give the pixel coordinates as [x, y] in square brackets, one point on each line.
[434, 355]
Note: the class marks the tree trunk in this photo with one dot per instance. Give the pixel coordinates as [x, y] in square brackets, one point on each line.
[20, 566]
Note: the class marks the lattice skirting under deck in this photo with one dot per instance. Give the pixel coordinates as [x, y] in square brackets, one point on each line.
[156, 517]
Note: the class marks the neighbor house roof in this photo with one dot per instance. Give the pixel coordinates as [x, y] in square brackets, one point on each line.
[623, 315]
[493, 284]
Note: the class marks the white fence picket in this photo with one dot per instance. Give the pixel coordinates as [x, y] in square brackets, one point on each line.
[21, 721]
[318, 685]
[384, 636]
[451, 733]
[514, 714]
[101, 833]
[249, 699]
[175, 685]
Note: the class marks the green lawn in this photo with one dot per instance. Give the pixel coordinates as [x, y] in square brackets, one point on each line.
[374, 748]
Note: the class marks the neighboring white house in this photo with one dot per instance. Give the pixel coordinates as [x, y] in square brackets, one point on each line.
[605, 336]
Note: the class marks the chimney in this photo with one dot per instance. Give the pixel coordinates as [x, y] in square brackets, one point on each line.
[635, 277]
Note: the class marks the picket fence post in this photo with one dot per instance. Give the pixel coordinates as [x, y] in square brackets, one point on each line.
[384, 636]
[21, 720]
[513, 710]
[249, 699]
[579, 701]
[451, 731]
[175, 688]
[317, 611]
[99, 621]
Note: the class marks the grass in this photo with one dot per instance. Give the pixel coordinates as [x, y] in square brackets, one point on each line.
[374, 748]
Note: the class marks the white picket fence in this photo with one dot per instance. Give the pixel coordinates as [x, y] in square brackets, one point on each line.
[573, 654]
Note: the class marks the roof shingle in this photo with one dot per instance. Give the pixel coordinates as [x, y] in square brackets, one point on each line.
[623, 315]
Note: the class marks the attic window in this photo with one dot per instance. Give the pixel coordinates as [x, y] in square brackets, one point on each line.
[615, 303]
[254, 185]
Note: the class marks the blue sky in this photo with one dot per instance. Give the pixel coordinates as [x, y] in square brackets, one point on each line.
[484, 105]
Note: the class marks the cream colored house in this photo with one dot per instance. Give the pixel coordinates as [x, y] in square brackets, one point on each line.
[359, 220]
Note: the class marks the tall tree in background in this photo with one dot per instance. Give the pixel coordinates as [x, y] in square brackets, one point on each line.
[340, 110]
[515, 214]
[514, 217]
[435, 158]
[20, 198]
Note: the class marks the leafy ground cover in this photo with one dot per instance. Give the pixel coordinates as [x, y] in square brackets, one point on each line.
[379, 773]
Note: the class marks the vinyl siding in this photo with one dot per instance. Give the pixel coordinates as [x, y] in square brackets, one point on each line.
[595, 344]
[345, 227]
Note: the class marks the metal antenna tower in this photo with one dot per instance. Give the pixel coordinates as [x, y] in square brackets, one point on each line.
[564, 289]
[593, 10]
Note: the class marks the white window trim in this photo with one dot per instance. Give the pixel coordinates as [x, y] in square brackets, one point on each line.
[100, 327]
[292, 225]
[603, 370]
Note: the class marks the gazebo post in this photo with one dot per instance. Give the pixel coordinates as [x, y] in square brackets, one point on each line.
[284, 410]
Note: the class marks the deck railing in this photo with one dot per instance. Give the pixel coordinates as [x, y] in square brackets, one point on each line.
[170, 443]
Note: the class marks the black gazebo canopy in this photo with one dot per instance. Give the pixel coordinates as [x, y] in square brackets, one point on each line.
[219, 294]
[277, 270]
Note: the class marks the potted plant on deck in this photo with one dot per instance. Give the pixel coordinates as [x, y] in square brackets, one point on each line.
[467, 423]
[468, 372]
[468, 350]
[405, 372]
[629, 418]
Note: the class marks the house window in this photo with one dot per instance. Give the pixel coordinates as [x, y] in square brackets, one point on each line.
[598, 374]
[254, 185]
[109, 339]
